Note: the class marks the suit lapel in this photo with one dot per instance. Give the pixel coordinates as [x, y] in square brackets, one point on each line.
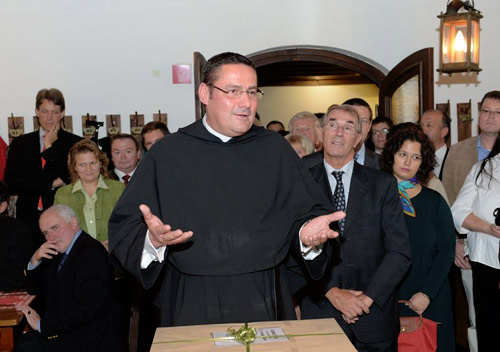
[357, 191]
[319, 174]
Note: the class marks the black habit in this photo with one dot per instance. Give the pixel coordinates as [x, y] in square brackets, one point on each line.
[245, 200]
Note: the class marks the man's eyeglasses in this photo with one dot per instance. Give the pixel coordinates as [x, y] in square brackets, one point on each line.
[235, 93]
[334, 126]
[383, 130]
[490, 112]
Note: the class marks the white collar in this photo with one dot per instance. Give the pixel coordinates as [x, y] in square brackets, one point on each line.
[214, 132]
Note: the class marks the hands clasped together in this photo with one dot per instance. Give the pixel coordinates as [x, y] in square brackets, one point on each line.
[351, 303]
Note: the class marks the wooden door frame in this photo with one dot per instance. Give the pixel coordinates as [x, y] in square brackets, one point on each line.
[419, 63]
[329, 55]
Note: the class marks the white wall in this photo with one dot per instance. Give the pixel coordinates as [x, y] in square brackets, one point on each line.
[102, 53]
[281, 103]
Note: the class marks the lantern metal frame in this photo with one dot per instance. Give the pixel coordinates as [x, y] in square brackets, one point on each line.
[467, 19]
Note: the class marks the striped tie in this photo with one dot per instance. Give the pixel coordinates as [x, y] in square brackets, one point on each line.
[339, 197]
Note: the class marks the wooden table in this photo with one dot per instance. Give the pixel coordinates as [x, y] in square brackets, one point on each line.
[333, 338]
[9, 326]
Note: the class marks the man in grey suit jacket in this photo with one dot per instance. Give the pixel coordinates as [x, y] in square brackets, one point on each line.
[360, 291]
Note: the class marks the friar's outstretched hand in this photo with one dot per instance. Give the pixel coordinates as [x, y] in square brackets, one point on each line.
[161, 234]
[318, 230]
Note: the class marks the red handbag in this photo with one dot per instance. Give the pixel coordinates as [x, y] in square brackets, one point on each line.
[417, 334]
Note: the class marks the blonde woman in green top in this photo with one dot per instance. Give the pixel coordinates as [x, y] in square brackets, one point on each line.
[91, 195]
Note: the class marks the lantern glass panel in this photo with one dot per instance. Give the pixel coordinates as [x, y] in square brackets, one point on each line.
[446, 49]
[475, 42]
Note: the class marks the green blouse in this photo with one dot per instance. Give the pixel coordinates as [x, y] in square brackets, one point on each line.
[93, 212]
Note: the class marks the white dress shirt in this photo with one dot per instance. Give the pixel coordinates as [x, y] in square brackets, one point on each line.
[120, 174]
[481, 200]
[440, 153]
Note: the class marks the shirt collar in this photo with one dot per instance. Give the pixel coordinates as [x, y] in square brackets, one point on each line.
[214, 132]
[120, 174]
[78, 186]
[482, 153]
[441, 151]
[41, 132]
[347, 168]
[73, 242]
[361, 154]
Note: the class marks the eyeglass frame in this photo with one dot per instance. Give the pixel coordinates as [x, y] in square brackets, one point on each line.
[384, 130]
[335, 126]
[258, 92]
[496, 113]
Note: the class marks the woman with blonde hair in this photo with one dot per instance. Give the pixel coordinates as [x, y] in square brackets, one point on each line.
[301, 144]
[91, 195]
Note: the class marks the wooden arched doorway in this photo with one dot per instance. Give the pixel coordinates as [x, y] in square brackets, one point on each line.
[405, 92]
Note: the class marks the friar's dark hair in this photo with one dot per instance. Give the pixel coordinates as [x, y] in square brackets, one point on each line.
[212, 67]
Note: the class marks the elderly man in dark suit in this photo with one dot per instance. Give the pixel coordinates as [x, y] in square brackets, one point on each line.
[71, 274]
[360, 291]
[37, 162]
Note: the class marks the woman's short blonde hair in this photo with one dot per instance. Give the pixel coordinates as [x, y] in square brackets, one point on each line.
[86, 146]
[301, 140]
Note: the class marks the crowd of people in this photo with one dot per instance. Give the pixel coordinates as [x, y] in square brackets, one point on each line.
[346, 217]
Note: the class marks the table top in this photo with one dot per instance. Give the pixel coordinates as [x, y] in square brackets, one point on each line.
[318, 335]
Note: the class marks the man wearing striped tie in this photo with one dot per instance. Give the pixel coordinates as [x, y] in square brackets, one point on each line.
[359, 292]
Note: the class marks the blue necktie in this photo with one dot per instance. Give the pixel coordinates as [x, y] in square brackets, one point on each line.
[61, 263]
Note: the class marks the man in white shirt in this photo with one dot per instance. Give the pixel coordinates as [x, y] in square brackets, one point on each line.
[360, 291]
[436, 125]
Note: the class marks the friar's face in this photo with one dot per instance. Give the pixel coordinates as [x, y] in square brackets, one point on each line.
[231, 116]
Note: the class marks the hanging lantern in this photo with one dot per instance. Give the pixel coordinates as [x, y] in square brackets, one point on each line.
[459, 38]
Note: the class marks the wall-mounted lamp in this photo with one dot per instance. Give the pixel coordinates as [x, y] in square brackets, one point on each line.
[459, 51]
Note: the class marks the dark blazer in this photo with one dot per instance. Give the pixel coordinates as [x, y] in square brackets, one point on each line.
[76, 313]
[15, 252]
[26, 178]
[374, 250]
[371, 159]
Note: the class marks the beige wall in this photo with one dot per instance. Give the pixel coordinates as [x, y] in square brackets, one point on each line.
[281, 103]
